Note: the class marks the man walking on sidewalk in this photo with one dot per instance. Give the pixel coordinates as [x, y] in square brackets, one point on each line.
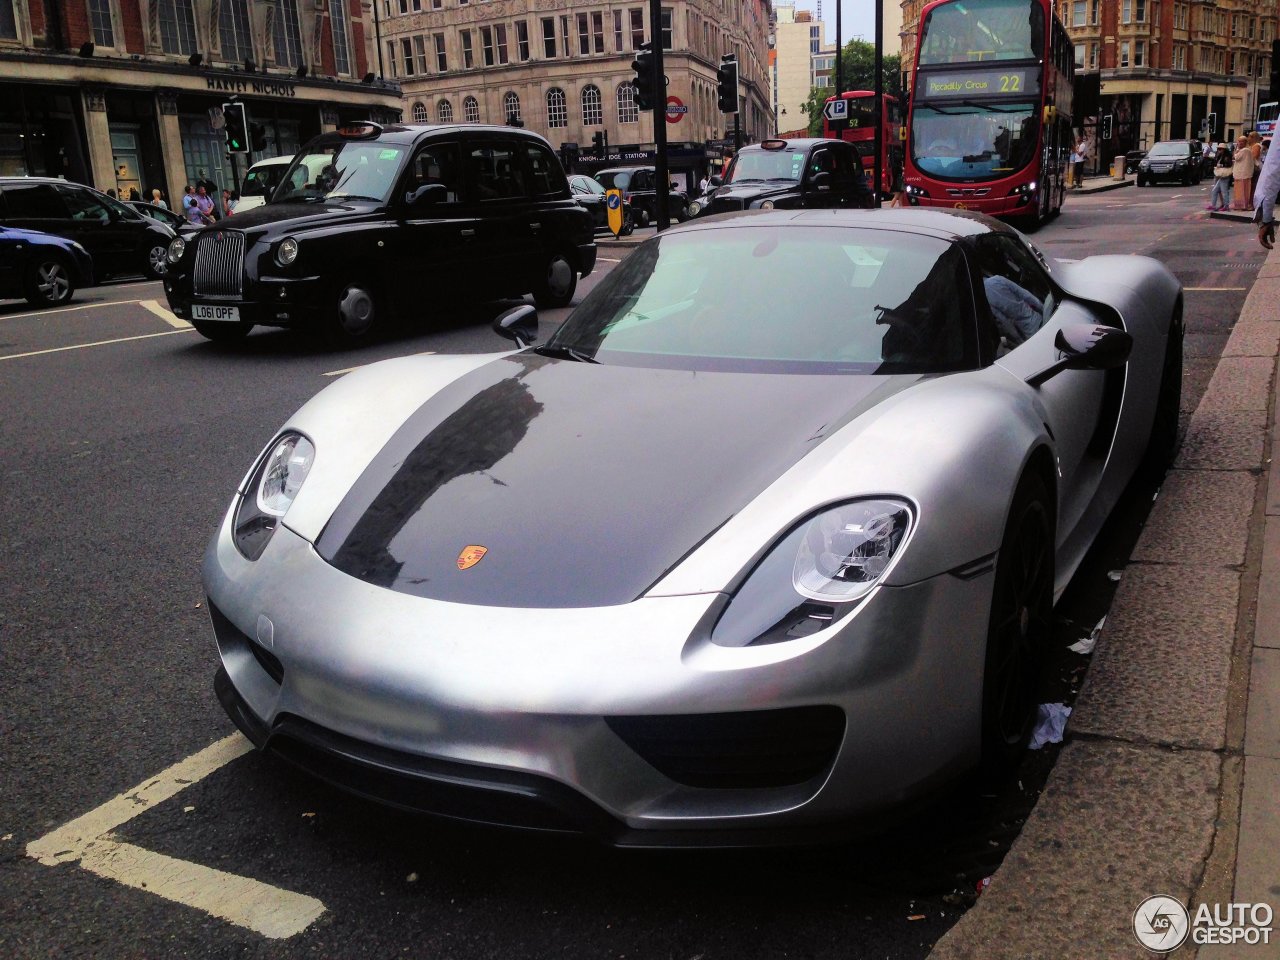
[1264, 213]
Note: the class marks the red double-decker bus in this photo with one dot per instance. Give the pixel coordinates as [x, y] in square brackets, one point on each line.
[859, 129]
[990, 117]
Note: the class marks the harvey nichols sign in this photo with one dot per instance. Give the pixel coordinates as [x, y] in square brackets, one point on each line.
[266, 88]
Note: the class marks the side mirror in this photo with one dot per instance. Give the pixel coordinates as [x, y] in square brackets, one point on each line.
[427, 195]
[1087, 347]
[820, 181]
[715, 181]
[519, 324]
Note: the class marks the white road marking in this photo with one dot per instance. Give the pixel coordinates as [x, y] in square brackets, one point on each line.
[338, 373]
[88, 840]
[83, 306]
[164, 314]
[608, 260]
[99, 343]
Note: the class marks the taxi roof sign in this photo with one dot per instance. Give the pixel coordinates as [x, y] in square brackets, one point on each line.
[361, 130]
[773, 144]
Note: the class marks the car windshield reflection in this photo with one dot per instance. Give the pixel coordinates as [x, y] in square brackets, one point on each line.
[343, 172]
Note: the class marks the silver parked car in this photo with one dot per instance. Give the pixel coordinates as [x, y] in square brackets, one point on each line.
[766, 538]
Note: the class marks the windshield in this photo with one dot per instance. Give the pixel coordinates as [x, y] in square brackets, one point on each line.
[615, 181]
[1168, 149]
[965, 31]
[261, 181]
[767, 165]
[343, 171]
[587, 185]
[973, 141]
[781, 300]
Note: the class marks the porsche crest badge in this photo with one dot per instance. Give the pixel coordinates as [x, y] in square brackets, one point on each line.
[471, 555]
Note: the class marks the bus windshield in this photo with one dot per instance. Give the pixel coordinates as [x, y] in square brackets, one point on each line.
[970, 140]
[968, 31]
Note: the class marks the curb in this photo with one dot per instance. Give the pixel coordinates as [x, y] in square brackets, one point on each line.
[1237, 216]
[1101, 188]
[1145, 797]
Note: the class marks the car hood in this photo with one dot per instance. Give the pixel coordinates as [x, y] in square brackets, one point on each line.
[584, 484]
[752, 191]
[36, 237]
[295, 215]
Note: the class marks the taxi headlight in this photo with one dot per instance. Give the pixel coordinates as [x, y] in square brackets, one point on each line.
[766, 204]
[694, 208]
[287, 252]
[177, 246]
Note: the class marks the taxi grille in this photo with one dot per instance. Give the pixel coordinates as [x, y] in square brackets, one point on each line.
[219, 264]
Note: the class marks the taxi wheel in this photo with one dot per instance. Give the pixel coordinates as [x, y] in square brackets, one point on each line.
[628, 226]
[354, 316]
[557, 284]
[222, 332]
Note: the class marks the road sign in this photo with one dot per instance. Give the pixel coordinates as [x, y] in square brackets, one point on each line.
[675, 109]
[837, 109]
[613, 207]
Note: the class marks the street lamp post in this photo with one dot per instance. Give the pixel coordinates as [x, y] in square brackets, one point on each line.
[879, 111]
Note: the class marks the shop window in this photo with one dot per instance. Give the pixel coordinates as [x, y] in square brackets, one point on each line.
[233, 31]
[341, 46]
[557, 109]
[177, 26]
[592, 106]
[471, 110]
[511, 106]
[286, 35]
[420, 113]
[104, 33]
[628, 112]
[444, 111]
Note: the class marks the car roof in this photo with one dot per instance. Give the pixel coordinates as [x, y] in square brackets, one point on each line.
[409, 133]
[70, 183]
[798, 143]
[943, 224]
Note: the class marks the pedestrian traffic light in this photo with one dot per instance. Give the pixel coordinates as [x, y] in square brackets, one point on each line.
[645, 81]
[601, 141]
[727, 84]
[1106, 126]
[258, 137]
[236, 127]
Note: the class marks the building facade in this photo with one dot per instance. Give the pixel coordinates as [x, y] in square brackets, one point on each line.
[804, 60]
[1160, 69]
[126, 94]
[563, 69]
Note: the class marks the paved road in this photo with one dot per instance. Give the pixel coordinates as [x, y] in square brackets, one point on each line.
[122, 439]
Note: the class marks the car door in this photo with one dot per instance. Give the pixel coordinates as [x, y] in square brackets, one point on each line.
[436, 245]
[846, 182]
[12, 248]
[551, 212]
[507, 250]
[820, 188]
[112, 238]
[1080, 406]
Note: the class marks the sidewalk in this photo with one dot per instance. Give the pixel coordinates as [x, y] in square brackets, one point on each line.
[1170, 777]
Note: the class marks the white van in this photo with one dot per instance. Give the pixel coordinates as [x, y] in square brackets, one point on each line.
[261, 181]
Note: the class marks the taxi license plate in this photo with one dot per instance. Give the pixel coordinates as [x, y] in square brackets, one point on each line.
[206, 311]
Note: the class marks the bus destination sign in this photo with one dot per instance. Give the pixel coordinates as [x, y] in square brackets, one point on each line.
[982, 83]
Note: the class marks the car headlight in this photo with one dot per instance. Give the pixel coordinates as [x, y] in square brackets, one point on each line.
[272, 488]
[1179, 163]
[694, 208]
[816, 574]
[177, 246]
[287, 252]
[1143, 164]
[766, 204]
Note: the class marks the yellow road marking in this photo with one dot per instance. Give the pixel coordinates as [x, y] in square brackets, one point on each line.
[99, 343]
[88, 841]
[165, 315]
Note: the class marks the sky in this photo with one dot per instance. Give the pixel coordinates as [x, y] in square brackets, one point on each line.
[858, 17]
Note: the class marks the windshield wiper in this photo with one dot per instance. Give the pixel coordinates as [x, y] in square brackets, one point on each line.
[567, 353]
[352, 196]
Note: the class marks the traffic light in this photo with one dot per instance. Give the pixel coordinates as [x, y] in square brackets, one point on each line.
[236, 127]
[258, 137]
[600, 140]
[645, 81]
[1106, 126]
[727, 84]
[1212, 121]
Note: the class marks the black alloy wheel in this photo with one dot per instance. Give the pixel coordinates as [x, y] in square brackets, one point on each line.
[1020, 628]
[1163, 442]
[48, 281]
[559, 281]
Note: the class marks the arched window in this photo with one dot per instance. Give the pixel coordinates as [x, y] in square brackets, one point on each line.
[471, 110]
[628, 112]
[592, 111]
[444, 111]
[557, 108]
[511, 106]
[419, 113]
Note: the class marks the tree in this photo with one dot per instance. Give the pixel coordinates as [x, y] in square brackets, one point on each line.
[858, 66]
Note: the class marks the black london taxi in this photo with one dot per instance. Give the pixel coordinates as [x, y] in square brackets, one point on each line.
[792, 173]
[371, 222]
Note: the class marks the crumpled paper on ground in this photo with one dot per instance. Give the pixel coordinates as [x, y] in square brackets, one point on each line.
[1051, 720]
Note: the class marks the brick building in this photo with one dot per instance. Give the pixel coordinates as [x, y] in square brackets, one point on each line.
[127, 94]
[1161, 69]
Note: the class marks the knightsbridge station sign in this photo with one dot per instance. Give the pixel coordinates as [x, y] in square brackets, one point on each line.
[261, 88]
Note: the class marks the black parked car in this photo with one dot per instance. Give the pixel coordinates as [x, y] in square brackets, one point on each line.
[592, 197]
[1173, 160]
[370, 222]
[121, 241]
[175, 222]
[639, 186]
[44, 269]
[792, 173]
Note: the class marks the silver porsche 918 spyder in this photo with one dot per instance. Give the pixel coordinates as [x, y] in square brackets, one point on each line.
[763, 541]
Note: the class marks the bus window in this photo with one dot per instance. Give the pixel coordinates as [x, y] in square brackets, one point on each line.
[982, 30]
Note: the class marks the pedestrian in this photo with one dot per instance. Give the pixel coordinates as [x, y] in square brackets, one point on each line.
[228, 205]
[111, 192]
[189, 208]
[204, 205]
[1220, 199]
[1082, 148]
[1241, 174]
[157, 198]
[1073, 168]
[1268, 188]
[1255, 147]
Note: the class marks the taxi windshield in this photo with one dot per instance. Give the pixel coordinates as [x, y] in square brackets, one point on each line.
[343, 172]
[767, 165]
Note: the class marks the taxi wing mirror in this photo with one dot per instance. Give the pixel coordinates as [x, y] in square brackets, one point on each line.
[714, 181]
[427, 195]
[820, 181]
[519, 324]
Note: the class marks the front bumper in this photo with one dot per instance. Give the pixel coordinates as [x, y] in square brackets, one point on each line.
[519, 716]
[269, 302]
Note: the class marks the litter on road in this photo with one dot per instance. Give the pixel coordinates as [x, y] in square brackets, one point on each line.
[1051, 720]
